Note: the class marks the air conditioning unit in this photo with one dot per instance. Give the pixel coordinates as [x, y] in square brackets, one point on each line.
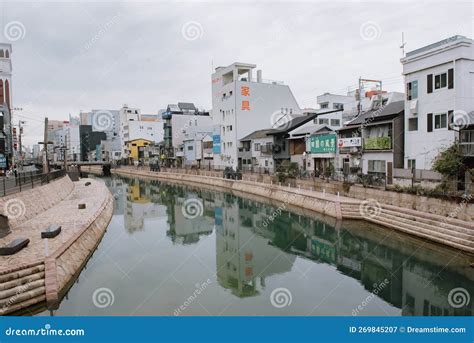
[414, 106]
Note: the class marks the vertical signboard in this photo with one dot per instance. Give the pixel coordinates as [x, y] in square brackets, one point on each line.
[216, 144]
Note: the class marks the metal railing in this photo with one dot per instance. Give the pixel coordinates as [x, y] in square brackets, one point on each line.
[24, 181]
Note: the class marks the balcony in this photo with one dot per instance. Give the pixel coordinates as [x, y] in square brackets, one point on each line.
[378, 143]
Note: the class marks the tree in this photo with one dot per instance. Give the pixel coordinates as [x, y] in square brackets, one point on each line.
[450, 162]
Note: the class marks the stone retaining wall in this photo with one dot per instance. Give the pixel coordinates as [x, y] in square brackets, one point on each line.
[461, 210]
[21, 207]
[60, 268]
[448, 230]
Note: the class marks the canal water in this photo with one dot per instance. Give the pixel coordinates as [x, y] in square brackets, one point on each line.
[179, 250]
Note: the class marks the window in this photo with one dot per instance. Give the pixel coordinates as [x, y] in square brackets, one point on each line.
[412, 90]
[377, 166]
[441, 81]
[266, 163]
[338, 106]
[440, 121]
[335, 122]
[324, 121]
[229, 128]
[256, 147]
[412, 124]
[411, 164]
[324, 105]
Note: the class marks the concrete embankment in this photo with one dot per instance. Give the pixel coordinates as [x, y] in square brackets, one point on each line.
[449, 231]
[43, 271]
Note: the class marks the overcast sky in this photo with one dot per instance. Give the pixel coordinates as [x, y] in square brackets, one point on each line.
[76, 55]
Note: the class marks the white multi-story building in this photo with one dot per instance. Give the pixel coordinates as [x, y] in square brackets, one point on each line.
[330, 101]
[181, 121]
[134, 125]
[242, 104]
[6, 143]
[439, 81]
[145, 129]
[73, 142]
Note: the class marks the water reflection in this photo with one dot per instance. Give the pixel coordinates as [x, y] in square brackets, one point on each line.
[249, 246]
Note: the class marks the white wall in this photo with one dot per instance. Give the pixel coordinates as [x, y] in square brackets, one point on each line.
[265, 100]
[149, 130]
[421, 145]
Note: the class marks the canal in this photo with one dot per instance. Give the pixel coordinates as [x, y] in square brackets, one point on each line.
[180, 250]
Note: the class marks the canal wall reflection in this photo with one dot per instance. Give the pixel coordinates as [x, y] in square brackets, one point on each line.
[249, 246]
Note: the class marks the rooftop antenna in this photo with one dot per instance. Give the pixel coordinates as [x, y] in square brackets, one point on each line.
[403, 45]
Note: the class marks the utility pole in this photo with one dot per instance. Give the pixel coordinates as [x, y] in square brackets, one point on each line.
[20, 129]
[45, 147]
[65, 153]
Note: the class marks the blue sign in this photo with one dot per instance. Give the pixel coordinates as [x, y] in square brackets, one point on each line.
[216, 144]
[385, 329]
[3, 161]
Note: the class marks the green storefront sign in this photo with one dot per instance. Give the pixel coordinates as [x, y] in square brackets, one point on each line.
[323, 143]
[378, 143]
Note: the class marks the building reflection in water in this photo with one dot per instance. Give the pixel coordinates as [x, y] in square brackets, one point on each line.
[251, 248]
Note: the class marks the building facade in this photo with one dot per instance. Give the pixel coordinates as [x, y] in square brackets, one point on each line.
[242, 104]
[439, 81]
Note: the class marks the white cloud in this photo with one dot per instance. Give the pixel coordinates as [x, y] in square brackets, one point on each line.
[144, 61]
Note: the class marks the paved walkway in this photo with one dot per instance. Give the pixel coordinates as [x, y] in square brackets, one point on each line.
[65, 213]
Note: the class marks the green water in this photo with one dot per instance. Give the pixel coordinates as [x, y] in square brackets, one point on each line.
[177, 250]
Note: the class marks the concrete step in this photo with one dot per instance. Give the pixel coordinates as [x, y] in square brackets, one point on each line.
[457, 232]
[21, 281]
[25, 296]
[431, 234]
[9, 276]
[419, 219]
[15, 291]
[427, 237]
[23, 304]
[432, 216]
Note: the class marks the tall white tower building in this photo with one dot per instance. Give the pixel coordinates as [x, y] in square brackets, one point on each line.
[6, 143]
[241, 105]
